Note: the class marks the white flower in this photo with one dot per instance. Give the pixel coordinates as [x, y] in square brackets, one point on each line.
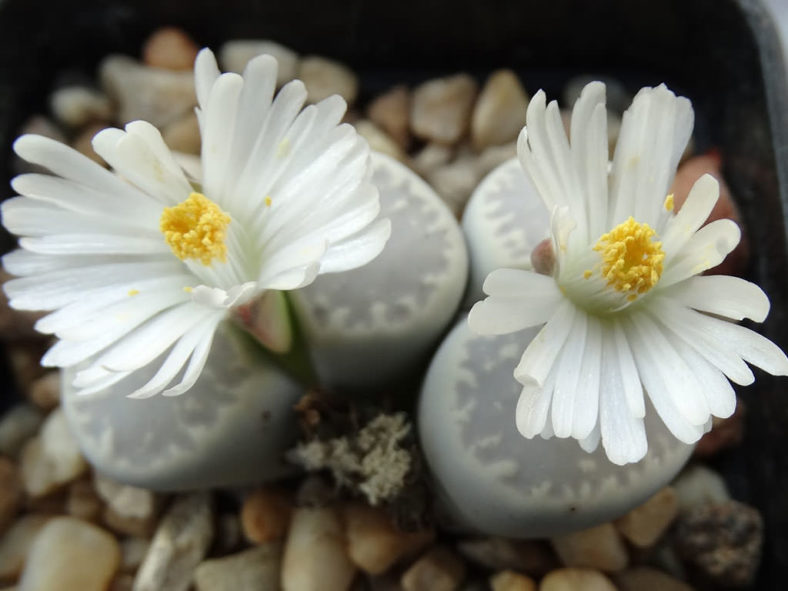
[625, 311]
[145, 261]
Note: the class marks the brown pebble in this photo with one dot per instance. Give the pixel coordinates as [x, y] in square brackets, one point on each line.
[511, 581]
[441, 108]
[438, 570]
[16, 542]
[644, 578]
[644, 525]
[391, 112]
[598, 547]
[45, 391]
[170, 48]
[530, 556]
[689, 172]
[724, 434]
[723, 541]
[183, 135]
[83, 142]
[576, 579]
[265, 515]
[83, 502]
[11, 492]
[374, 543]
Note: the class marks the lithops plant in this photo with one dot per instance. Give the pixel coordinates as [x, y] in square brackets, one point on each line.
[369, 326]
[493, 480]
[232, 427]
[504, 221]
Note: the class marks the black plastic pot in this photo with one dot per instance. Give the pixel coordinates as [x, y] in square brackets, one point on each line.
[723, 54]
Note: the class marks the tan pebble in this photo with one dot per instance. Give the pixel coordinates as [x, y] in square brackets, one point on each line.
[391, 112]
[83, 143]
[265, 515]
[16, 542]
[644, 578]
[69, 554]
[438, 570]
[598, 547]
[698, 485]
[77, 106]
[133, 551]
[691, 171]
[441, 108]
[152, 94]
[183, 135]
[45, 391]
[234, 55]
[17, 426]
[455, 182]
[170, 48]
[315, 556]
[52, 459]
[126, 500]
[130, 526]
[576, 579]
[378, 140]
[430, 158]
[83, 501]
[374, 543]
[511, 581]
[499, 114]
[181, 540]
[256, 568]
[644, 525]
[324, 77]
[11, 492]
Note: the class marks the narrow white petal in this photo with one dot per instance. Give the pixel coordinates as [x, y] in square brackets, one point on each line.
[692, 215]
[198, 360]
[108, 379]
[633, 389]
[218, 135]
[533, 407]
[689, 325]
[358, 250]
[722, 295]
[707, 248]
[516, 283]
[586, 403]
[206, 71]
[541, 353]
[590, 443]
[294, 278]
[567, 368]
[94, 243]
[659, 382]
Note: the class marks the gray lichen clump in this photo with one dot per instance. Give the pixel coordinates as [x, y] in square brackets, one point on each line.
[376, 461]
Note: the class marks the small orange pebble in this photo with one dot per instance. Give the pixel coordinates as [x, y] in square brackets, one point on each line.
[170, 48]
[265, 515]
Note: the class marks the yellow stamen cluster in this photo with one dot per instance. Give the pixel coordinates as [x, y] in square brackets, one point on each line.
[196, 229]
[631, 259]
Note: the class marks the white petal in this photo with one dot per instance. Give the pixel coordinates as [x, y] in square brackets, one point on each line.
[540, 355]
[358, 250]
[567, 368]
[511, 305]
[586, 401]
[628, 372]
[94, 243]
[206, 71]
[722, 295]
[197, 362]
[707, 248]
[533, 407]
[659, 382]
[623, 434]
[218, 135]
[692, 215]
[689, 325]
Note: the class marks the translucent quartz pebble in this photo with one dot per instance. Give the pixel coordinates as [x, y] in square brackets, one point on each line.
[231, 428]
[371, 325]
[503, 222]
[495, 481]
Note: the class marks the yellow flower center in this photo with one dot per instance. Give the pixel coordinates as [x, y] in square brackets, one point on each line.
[631, 259]
[196, 229]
